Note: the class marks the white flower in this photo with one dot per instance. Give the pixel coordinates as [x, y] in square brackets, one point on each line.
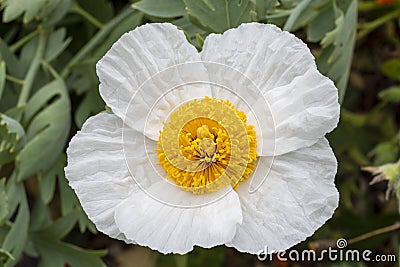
[147, 174]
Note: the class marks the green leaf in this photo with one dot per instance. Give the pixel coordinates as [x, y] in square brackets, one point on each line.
[14, 193]
[15, 239]
[91, 104]
[40, 216]
[57, 253]
[70, 203]
[323, 23]
[199, 40]
[193, 33]
[304, 13]
[384, 153]
[296, 14]
[87, 87]
[55, 11]
[219, 15]
[56, 44]
[392, 94]
[12, 137]
[53, 252]
[335, 59]
[161, 8]
[391, 68]
[127, 24]
[47, 183]
[48, 10]
[15, 8]
[185, 24]
[14, 67]
[4, 209]
[48, 115]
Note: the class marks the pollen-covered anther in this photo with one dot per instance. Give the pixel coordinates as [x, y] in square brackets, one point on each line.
[206, 145]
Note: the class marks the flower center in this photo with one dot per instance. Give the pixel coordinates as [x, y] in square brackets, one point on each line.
[206, 145]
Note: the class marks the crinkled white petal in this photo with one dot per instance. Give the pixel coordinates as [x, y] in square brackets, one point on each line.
[176, 229]
[143, 65]
[97, 170]
[296, 198]
[278, 63]
[304, 111]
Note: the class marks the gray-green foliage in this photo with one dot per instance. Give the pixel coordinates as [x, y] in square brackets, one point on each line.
[40, 70]
[48, 88]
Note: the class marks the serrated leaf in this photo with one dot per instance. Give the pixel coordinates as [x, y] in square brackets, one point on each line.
[219, 15]
[56, 43]
[47, 9]
[335, 59]
[392, 94]
[48, 114]
[59, 228]
[57, 253]
[12, 137]
[53, 252]
[4, 209]
[14, 8]
[161, 8]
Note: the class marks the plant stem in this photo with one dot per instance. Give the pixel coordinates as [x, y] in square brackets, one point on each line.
[24, 40]
[14, 80]
[370, 26]
[320, 245]
[30, 76]
[373, 233]
[79, 10]
[366, 6]
[181, 260]
[52, 71]
[100, 35]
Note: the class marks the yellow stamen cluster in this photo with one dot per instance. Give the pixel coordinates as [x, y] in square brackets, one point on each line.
[206, 145]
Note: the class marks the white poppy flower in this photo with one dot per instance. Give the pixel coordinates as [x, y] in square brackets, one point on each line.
[225, 146]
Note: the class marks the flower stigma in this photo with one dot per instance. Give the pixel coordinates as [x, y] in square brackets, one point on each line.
[206, 145]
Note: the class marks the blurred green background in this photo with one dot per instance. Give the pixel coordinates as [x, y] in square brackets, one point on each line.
[48, 88]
